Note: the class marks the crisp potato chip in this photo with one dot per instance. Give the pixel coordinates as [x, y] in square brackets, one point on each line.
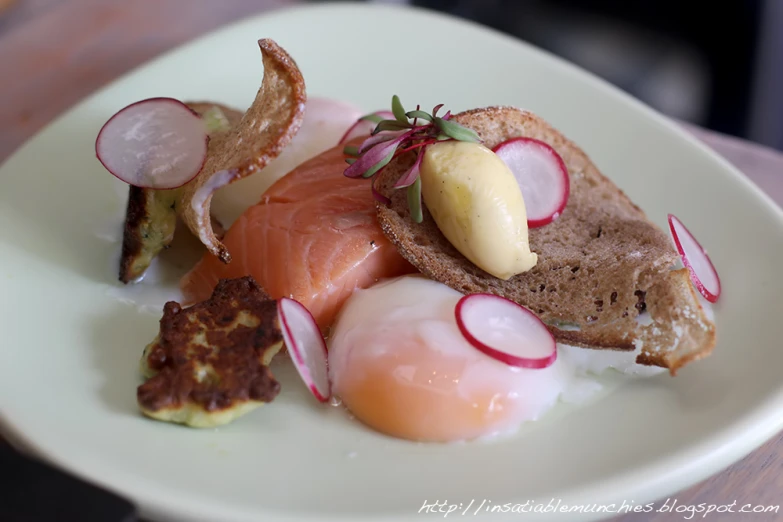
[265, 130]
[151, 215]
[239, 145]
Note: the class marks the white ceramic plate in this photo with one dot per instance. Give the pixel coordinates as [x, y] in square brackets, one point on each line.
[69, 349]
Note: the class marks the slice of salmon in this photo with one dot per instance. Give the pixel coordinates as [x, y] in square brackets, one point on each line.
[313, 236]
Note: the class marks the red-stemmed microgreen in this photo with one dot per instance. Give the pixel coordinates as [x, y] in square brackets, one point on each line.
[391, 138]
[377, 195]
[411, 175]
[350, 150]
[414, 201]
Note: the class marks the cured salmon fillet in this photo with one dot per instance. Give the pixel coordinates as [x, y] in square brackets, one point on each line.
[314, 236]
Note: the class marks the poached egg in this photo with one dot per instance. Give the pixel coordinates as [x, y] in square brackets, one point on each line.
[399, 363]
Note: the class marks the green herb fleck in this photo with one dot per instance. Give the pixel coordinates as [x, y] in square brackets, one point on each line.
[378, 166]
[374, 118]
[215, 120]
[398, 110]
[456, 131]
[414, 201]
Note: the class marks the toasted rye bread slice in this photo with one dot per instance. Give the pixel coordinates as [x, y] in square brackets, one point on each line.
[601, 264]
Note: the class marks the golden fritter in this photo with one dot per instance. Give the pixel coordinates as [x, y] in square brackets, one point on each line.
[210, 362]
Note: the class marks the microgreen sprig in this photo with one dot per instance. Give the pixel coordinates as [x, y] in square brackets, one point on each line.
[391, 138]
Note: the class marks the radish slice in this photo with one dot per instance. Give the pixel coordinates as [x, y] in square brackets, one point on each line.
[542, 176]
[694, 257]
[363, 127]
[308, 350]
[158, 143]
[505, 331]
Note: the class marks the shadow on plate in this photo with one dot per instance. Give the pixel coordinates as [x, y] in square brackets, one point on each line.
[118, 338]
[58, 204]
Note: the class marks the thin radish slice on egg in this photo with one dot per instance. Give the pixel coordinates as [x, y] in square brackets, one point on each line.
[542, 176]
[158, 143]
[365, 125]
[694, 257]
[505, 331]
[303, 339]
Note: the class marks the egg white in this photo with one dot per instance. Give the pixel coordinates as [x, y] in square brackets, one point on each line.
[374, 320]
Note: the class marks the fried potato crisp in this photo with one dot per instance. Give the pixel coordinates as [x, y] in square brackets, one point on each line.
[238, 147]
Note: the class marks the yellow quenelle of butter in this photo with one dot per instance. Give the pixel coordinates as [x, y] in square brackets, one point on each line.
[477, 204]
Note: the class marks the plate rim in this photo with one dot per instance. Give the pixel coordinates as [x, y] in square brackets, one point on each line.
[758, 428]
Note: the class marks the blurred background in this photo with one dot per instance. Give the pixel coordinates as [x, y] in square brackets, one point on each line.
[714, 64]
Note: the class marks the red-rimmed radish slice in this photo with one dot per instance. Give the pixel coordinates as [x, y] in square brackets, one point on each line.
[505, 331]
[542, 176]
[694, 257]
[363, 128]
[304, 341]
[158, 143]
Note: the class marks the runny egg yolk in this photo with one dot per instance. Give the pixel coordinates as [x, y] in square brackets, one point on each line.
[401, 366]
[412, 394]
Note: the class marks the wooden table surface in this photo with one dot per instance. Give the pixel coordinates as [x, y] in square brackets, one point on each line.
[55, 52]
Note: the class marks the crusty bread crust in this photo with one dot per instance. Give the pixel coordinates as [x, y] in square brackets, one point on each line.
[600, 264]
